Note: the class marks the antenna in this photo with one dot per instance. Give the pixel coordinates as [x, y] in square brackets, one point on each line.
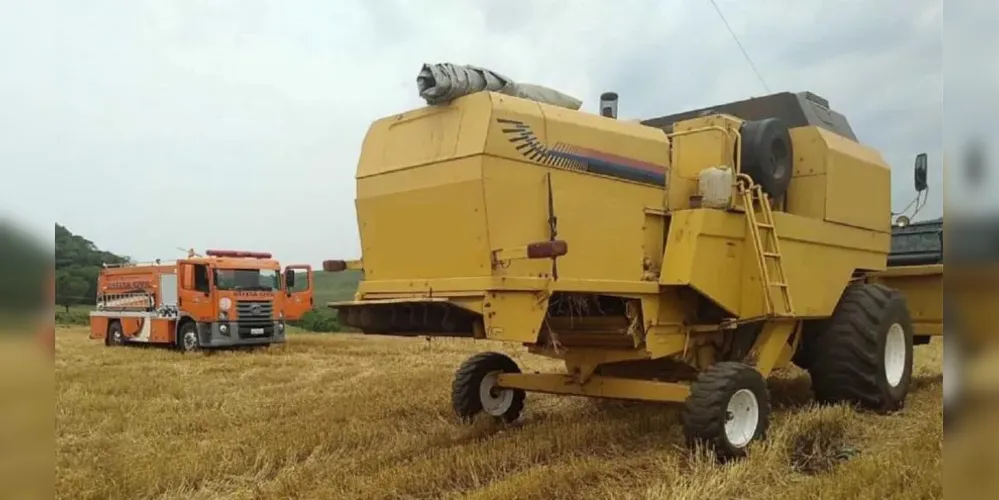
[190, 252]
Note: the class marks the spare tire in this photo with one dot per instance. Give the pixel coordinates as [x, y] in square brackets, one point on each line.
[767, 155]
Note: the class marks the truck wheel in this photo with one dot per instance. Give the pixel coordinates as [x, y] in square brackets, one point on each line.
[474, 388]
[187, 337]
[864, 355]
[116, 336]
[728, 408]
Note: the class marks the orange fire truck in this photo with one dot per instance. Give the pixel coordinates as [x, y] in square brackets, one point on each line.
[226, 298]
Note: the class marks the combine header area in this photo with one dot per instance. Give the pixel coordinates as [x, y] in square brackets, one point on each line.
[228, 298]
[681, 259]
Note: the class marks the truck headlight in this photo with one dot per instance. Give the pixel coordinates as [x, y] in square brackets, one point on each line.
[224, 329]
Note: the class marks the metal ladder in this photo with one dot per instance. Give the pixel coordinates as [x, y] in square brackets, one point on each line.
[767, 247]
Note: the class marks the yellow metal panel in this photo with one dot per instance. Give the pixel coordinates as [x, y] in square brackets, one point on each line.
[426, 177]
[705, 249]
[839, 180]
[507, 121]
[806, 196]
[848, 148]
[594, 132]
[430, 231]
[858, 194]
[772, 345]
[516, 197]
[810, 150]
[923, 288]
[591, 212]
[514, 316]
[699, 143]
[452, 287]
[425, 135]
[664, 314]
[663, 341]
[597, 386]
[819, 258]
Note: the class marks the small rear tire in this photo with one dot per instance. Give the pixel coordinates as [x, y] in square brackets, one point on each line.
[864, 352]
[728, 408]
[187, 337]
[115, 336]
[474, 389]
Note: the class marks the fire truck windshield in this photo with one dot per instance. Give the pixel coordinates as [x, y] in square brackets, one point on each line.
[247, 279]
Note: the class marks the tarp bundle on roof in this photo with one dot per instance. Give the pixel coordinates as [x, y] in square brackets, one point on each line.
[445, 82]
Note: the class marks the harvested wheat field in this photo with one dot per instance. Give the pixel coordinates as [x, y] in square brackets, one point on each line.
[352, 417]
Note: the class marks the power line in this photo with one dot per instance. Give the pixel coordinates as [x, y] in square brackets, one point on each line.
[743, 49]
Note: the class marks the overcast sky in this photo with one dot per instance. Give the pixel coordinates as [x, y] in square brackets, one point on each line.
[151, 125]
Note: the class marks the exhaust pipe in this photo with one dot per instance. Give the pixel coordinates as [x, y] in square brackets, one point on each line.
[608, 104]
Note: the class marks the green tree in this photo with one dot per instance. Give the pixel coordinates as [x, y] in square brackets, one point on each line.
[71, 288]
[78, 263]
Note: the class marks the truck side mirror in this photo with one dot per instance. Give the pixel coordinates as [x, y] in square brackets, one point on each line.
[289, 278]
[920, 172]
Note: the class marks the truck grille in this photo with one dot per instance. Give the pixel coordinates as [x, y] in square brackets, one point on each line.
[254, 312]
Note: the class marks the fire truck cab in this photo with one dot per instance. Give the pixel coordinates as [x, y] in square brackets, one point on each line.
[224, 299]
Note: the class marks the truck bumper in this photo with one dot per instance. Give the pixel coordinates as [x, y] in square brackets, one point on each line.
[214, 335]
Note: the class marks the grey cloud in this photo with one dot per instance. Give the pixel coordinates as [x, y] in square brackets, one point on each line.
[238, 124]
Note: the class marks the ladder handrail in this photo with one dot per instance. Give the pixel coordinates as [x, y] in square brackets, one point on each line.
[132, 300]
[752, 192]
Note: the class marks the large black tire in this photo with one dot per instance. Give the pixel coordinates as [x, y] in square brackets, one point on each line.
[115, 335]
[850, 363]
[473, 390]
[728, 408]
[768, 155]
[184, 340]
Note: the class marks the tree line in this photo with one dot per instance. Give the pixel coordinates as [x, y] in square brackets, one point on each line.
[78, 263]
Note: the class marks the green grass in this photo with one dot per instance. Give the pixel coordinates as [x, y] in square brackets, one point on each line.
[333, 287]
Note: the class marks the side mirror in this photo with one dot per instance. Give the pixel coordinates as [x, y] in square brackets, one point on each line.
[289, 278]
[920, 172]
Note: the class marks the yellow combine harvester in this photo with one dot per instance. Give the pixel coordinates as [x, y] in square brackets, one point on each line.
[680, 259]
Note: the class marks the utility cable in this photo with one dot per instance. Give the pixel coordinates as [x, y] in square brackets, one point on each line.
[741, 48]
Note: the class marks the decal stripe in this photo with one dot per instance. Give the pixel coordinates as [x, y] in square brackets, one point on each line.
[571, 157]
[620, 160]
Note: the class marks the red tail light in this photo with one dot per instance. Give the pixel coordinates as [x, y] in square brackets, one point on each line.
[334, 266]
[547, 249]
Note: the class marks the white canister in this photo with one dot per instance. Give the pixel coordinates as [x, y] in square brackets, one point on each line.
[715, 185]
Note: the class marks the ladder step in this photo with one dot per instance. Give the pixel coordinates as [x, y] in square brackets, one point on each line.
[774, 255]
[764, 225]
[778, 284]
